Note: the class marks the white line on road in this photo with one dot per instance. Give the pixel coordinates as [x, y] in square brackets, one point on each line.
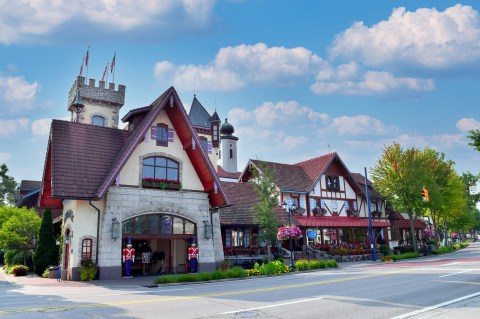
[456, 273]
[271, 306]
[443, 304]
[451, 264]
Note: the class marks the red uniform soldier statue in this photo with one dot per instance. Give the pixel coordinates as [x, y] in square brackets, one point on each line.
[128, 258]
[193, 257]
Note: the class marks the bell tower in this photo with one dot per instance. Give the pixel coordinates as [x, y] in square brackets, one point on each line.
[228, 148]
[95, 105]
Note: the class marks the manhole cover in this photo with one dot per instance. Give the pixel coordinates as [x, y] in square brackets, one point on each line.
[246, 314]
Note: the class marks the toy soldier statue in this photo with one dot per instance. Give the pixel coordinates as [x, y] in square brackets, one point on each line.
[128, 258]
[193, 257]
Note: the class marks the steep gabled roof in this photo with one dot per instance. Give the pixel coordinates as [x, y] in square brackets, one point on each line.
[171, 104]
[199, 115]
[315, 167]
[78, 159]
[360, 180]
[243, 198]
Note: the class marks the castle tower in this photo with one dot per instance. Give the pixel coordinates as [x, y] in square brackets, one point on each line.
[228, 148]
[101, 105]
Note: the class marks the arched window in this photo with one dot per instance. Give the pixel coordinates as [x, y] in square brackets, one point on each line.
[160, 167]
[87, 248]
[98, 120]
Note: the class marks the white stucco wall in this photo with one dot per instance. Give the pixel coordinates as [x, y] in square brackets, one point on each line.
[131, 173]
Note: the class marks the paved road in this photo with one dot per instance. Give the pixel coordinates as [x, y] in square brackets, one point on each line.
[446, 286]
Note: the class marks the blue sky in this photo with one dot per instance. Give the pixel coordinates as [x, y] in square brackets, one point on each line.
[297, 79]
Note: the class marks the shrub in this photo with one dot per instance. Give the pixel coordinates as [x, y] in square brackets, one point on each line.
[23, 258]
[88, 270]
[46, 274]
[274, 268]
[387, 258]
[9, 254]
[46, 252]
[405, 256]
[19, 270]
[384, 249]
[302, 265]
[443, 250]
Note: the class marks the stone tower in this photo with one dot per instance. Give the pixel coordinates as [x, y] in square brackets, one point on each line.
[98, 105]
[228, 148]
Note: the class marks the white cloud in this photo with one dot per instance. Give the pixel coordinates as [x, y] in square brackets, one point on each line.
[35, 20]
[17, 94]
[467, 124]
[360, 125]
[282, 114]
[41, 127]
[294, 142]
[11, 127]
[426, 38]
[4, 157]
[243, 65]
[371, 83]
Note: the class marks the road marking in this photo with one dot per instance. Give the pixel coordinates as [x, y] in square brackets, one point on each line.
[440, 305]
[456, 273]
[211, 295]
[451, 264]
[271, 306]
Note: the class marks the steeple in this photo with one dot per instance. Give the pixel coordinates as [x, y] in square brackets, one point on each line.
[228, 148]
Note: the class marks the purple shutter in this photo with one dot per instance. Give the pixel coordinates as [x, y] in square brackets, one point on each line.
[170, 134]
[209, 147]
[154, 133]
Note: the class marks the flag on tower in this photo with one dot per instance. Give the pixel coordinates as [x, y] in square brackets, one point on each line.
[105, 72]
[112, 65]
[86, 56]
[81, 66]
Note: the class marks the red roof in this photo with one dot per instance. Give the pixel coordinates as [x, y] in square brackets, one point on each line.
[403, 222]
[338, 221]
[316, 166]
[221, 173]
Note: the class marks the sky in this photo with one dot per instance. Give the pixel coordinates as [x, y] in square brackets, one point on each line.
[297, 79]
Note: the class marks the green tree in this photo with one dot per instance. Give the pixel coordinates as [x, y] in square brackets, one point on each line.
[7, 186]
[265, 216]
[20, 229]
[46, 251]
[400, 175]
[475, 137]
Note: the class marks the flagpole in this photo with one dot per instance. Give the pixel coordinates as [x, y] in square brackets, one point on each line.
[112, 67]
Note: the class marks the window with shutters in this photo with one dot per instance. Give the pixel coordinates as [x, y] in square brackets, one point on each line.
[162, 134]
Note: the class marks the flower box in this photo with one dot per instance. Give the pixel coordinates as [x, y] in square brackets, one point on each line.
[163, 184]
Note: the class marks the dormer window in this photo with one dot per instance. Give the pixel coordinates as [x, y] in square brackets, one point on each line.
[204, 142]
[162, 134]
[333, 182]
[98, 120]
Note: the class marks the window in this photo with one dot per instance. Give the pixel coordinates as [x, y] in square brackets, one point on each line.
[204, 142]
[162, 134]
[87, 248]
[160, 167]
[98, 120]
[237, 237]
[231, 153]
[333, 183]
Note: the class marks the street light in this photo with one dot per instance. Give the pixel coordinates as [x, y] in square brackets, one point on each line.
[290, 211]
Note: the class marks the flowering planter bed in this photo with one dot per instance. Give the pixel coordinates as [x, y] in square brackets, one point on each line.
[355, 257]
[161, 184]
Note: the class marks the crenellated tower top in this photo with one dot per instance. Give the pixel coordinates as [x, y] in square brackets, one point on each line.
[102, 104]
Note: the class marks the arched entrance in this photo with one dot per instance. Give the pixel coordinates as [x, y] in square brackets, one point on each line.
[160, 241]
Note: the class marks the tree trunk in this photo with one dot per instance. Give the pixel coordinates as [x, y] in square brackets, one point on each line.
[269, 252]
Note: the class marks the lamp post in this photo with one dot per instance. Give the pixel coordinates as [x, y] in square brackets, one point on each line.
[290, 210]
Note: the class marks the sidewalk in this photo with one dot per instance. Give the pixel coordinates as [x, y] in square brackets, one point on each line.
[34, 280]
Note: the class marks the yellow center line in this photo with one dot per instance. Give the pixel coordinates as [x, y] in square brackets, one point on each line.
[211, 295]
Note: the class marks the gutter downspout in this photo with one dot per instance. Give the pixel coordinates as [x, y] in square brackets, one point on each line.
[98, 232]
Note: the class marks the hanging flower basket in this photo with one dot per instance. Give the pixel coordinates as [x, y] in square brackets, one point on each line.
[288, 232]
[164, 184]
